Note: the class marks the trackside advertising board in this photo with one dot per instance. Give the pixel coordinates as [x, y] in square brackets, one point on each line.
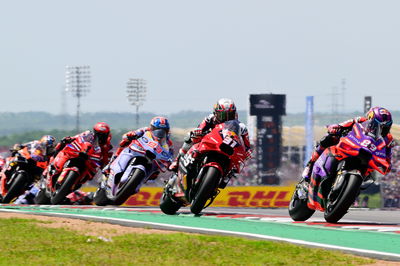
[257, 196]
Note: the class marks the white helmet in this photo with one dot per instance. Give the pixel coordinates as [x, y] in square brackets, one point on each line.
[225, 110]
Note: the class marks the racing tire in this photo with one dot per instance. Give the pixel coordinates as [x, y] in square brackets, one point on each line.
[18, 187]
[298, 209]
[42, 198]
[66, 187]
[128, 188]
[349, 191]
[168, 206]
[207, 188]
[100, 197]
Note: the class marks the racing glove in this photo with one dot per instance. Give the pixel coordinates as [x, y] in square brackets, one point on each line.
[131, 137]
[67, 140]
[334, 129]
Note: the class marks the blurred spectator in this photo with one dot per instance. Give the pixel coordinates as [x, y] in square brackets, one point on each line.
[364, 202]
[391, 182]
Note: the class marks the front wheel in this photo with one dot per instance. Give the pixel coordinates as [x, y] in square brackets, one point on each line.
[337, 207]
[42, 197]
[66, 187]
[127, 189]
[207, 188]
[168, 206]
[18, 187]
[100, 197]
[298, 208]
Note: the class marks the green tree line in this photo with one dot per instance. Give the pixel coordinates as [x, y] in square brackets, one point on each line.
[11, 139]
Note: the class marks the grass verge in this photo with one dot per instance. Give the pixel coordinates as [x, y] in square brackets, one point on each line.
[24, 242]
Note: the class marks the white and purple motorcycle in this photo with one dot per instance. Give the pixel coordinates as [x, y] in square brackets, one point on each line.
[138, 163]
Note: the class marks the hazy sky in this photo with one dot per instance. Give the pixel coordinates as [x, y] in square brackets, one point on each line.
[194, 52]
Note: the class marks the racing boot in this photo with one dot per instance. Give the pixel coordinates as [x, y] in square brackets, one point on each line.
[306, 175]
[100, 197]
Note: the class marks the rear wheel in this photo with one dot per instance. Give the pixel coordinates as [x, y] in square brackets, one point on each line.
[168, 206]
[298, 208]
[18, 187]
[127, 189]
[206, 189]
[66, 187]
[337, 207]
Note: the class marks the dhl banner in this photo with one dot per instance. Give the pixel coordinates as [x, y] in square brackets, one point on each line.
[254, 197]
[262, 196]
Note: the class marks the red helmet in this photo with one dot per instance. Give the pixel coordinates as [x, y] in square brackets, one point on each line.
[101, 131]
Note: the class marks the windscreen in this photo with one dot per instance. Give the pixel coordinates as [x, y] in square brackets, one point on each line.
[231, 126]
[373, 128]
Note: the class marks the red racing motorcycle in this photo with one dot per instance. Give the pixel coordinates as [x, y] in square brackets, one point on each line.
[18, 175]
[205, 169]
[339, 174]
[77, 163]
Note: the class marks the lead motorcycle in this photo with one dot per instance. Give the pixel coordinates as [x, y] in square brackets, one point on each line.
[205, 169]
[144, 158]
[339, 174]
[77, 163]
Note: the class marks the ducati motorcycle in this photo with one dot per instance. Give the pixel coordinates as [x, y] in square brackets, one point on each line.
[19, 173]
[77, 163]
[144, 158]
[205, 169]
[339, 174]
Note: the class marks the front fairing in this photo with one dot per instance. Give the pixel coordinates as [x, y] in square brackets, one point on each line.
[357, 143]
[226, 135]
[77, 147]
[160, 149]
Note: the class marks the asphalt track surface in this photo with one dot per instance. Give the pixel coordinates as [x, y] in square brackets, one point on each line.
[372, 233]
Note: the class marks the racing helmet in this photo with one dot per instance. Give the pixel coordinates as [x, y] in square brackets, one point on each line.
[379, 121]
[49, 142]
[159, 125]
[225, 110]
[101, 131]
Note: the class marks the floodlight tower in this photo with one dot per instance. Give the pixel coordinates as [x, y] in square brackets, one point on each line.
[77, 80]
[136, 93]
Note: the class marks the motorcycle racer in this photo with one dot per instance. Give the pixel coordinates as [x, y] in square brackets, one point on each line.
[39, 150]
[99, 136]
[224, 110]
[95, 156]
[379, 117]
[160, 128]
[156, 123]
[37, 153]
